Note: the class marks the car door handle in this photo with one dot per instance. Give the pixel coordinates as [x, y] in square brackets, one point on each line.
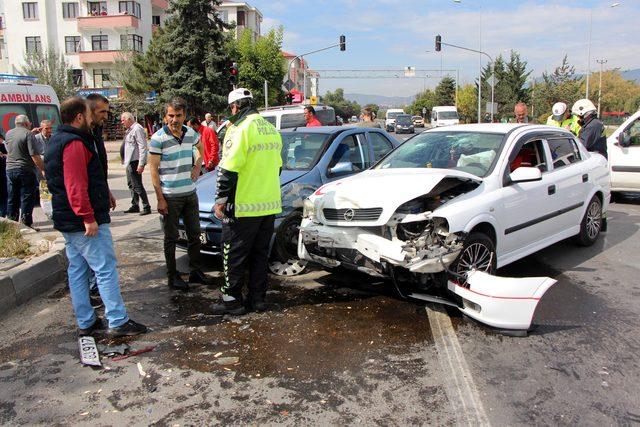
[585, 177]
[551, 189]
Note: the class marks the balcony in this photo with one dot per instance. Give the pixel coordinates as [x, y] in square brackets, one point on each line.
[99, 56]
[107, 21]
[162, 4]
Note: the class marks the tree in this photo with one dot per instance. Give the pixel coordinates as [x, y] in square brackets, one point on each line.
[258, 61]
[343, 107]
[425, 99]
[515, 79]
[188, 58]
[445, 92]
[468, 103]
[51, 69]
[563, 85]
[618, 94]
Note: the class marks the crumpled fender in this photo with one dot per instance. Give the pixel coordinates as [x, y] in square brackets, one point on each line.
[501, 302]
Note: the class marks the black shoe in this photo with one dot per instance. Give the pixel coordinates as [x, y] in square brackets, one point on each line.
[235, 308]
[98, 325]
[146, 211]
[96, 302]
[259, 306]
[128, 329]
[197, 276]
[176, 282]
[133, 209]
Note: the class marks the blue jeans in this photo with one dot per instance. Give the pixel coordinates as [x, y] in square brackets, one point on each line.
[94, 253]
[21, 189]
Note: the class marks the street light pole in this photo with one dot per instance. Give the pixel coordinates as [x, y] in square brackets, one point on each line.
[601, 62]
[612, 5]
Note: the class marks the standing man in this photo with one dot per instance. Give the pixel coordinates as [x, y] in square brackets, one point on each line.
[22, 160]
[80, 200]
[3, 177]
[561, 117]
[367, 116]
[135, 159]
[173, 173]
[247, 201]
[42, 137]
[209, 141]
[209, 122]
[310, 117]
[521, 112]
[592, 131]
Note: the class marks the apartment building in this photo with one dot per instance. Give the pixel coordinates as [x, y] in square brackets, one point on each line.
[92, 35]
[243, 14]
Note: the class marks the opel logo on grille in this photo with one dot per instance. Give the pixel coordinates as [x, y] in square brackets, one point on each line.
[349, 214]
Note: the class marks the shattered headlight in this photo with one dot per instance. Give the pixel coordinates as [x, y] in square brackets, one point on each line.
[308, 209]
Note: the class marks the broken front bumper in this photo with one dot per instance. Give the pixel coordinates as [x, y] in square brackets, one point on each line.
[330, 246]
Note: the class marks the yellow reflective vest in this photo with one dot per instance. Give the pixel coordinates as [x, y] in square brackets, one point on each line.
[253, 150]
[571, 123]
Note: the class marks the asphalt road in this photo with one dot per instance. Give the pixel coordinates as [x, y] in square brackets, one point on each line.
[336, 349]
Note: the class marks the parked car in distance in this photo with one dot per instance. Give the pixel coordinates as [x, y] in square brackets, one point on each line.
[623, 148]
[444, 116]
[292, 116]
[404, 124]
[458, 199]
[353, 119]
[311, 157]
[390, 118]
[418, 121]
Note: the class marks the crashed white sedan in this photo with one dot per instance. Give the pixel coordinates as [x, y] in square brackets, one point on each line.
[449, 206]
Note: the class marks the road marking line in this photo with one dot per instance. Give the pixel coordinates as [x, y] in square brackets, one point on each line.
[459, 385]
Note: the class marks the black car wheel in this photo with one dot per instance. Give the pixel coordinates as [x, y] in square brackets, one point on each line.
[591, 223]
[478, 253]
[284, 260]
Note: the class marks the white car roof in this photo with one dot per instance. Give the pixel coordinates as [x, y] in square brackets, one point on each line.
[481, 127]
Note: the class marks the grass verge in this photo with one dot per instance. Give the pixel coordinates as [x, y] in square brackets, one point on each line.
[12, 244]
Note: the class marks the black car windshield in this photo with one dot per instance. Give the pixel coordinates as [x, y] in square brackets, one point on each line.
[472, 152]
[403, 120]
[447, 115]
[301, 150]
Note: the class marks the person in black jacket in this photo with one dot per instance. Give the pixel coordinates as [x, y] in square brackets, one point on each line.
[591, 133]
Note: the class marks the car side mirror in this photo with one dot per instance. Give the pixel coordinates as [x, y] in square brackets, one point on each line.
[624, 139]
[525, 174]
[342, 168]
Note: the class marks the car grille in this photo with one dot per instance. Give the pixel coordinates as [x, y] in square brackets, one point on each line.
[369, 214]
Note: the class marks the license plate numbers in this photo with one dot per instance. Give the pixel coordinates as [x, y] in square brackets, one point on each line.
[182, 235]
[89, 351]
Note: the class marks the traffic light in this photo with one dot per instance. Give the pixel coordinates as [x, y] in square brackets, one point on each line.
[233, 73]
[343, 43]
[438, 43]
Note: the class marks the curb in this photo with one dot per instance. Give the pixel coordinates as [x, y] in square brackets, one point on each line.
[36, 276]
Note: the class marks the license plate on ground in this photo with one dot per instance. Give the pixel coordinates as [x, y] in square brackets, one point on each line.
[89, 351]
[182, 235]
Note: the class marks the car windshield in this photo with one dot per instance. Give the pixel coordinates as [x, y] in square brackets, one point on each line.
[403, 120]
[447, 115]
[393, 114]
[300, 150]
[472, 152]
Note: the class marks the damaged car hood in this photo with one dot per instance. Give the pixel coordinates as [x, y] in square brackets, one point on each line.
[384, 188]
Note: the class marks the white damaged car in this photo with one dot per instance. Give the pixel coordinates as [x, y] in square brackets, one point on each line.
[449, 206]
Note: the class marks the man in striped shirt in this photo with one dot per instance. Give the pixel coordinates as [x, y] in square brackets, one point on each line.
[173, 173]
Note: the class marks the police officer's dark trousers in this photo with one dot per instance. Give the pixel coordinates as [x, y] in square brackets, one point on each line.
[246, 243]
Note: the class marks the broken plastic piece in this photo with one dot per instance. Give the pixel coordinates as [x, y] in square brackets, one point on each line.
[89, 354]
[113, 350]
[501, 302]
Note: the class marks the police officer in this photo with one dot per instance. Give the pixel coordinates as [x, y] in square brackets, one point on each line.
[247, 200]
[592, 129]
[561, 117]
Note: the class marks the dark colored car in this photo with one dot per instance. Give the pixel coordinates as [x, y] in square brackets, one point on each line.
[311, 157]
[404, 124]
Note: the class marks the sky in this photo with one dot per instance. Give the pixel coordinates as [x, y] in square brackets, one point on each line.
[393, 34]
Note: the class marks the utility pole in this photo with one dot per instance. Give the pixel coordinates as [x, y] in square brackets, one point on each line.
[601, 62]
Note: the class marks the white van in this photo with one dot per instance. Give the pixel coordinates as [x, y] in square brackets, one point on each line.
[292, 116]
[390, 118]
[444, 116]
[19, 95]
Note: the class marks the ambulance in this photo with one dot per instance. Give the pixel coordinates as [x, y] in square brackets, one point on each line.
[22, 95]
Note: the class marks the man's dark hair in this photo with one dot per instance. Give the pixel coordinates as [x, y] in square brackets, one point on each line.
[193, 120]
[95, 97]
[244, 103]
[177, 103]
[70, 108]
[310, 109]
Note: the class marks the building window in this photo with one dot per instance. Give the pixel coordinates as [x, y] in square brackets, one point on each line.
[100, 42]
[30, 10]
[240, 18]
[33, 44]
[69, 10]
[76, 77]
[97, 8]
[131, 41]
[72, 44]
[130, 8]
[155, 20]
[224, 16]
[102, 77]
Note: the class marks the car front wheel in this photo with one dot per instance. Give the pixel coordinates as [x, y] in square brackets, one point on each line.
[478, 253]
[284, 260]
[591, 224]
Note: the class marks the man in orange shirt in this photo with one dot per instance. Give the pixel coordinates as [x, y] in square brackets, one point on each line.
[210, 143]
[310, 117]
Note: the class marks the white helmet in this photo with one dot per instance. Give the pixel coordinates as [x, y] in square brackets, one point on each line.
[238, 94]
[582, 107]
[559, 109]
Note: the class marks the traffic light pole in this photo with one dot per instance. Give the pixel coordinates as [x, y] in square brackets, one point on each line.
[493, 77]
[304, 72]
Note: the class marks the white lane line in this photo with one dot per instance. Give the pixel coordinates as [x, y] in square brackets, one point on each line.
[459, 385]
